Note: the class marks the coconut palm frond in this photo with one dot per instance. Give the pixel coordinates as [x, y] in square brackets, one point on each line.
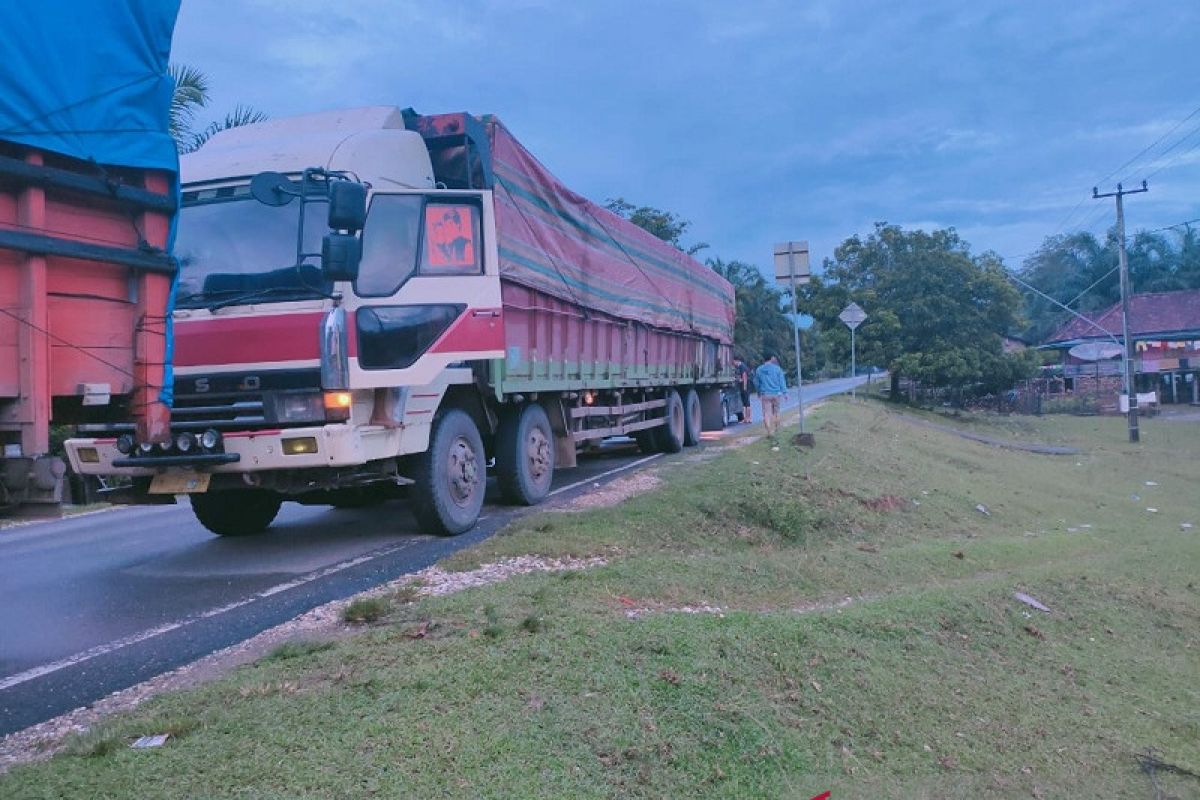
[191, 94]
[241, 115]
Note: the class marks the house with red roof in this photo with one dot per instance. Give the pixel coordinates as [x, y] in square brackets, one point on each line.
[1165, 328]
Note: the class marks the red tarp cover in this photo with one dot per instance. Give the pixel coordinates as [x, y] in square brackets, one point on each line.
[556, 241]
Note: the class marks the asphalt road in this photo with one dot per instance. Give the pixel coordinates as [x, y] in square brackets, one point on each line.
[99, 602]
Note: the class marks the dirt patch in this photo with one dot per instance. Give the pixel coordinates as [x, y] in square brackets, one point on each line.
[887, 502]
[610, 494]
[322, 623]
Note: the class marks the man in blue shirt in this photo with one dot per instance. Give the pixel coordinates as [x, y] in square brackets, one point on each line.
[772, 386]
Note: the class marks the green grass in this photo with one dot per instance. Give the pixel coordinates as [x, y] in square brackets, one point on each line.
[366, 609]
[931, 682]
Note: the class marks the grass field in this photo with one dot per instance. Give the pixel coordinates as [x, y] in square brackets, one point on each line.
[767, 624]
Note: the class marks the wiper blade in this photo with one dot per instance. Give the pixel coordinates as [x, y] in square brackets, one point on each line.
[241, 298]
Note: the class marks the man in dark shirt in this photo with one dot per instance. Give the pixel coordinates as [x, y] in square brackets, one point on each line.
[741, 376]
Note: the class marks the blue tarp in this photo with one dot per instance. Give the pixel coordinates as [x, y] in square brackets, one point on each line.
[89, 79]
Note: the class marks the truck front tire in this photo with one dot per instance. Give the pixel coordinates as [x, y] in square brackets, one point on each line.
[240, 513]
[525, 455]
[692, 422]
[450, 477]
[669, 436]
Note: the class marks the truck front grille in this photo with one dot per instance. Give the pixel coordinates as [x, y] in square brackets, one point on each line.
[198, 413]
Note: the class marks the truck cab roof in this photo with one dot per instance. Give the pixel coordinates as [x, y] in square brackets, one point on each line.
[370, 142]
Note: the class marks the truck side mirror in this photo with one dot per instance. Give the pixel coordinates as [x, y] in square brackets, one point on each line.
[347, 206]
[340, 254]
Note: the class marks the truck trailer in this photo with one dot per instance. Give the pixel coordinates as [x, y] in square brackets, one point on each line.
[375, 303]
[88, 193]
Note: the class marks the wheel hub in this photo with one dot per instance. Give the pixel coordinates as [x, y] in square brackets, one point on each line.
[537, 451]
[463, 471]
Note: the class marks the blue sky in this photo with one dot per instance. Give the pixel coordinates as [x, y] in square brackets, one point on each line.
[762, 121]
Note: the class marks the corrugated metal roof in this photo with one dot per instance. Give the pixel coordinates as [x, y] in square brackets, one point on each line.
[1153, 315]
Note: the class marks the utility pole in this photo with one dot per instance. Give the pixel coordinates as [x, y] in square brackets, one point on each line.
[1126, 291]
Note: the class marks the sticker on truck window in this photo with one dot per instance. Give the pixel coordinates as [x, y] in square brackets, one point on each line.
[451, 239]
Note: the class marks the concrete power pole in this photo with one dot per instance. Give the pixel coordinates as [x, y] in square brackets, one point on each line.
[1126, 291]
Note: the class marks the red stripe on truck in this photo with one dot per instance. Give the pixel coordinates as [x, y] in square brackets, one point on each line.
[477, 330]
[252, 339]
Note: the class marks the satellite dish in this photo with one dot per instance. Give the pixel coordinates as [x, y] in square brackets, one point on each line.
[1095, 351]
[272, 189]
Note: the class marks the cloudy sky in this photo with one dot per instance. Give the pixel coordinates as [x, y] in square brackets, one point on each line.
[762, 121]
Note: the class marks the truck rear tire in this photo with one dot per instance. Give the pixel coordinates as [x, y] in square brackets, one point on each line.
[525, 455]
[669, 436]
[450, 477]
[240, 513]
[691, 418]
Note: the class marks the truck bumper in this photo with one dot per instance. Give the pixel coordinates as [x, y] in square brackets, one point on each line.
[334, 445]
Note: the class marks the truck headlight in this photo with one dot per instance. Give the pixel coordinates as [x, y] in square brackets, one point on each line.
[210, 439]
[185, 442]
[299, 407]
[126, 443]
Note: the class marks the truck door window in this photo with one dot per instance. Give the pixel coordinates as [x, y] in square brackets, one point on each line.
[389, 244]
[451, 240]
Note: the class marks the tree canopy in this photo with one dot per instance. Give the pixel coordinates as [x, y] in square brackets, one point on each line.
[936, 313]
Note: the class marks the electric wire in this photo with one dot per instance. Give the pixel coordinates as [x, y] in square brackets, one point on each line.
[1151, 146]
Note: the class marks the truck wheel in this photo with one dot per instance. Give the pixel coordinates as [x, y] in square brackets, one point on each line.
[669, 437]
[525, 455]
[450, 476]
[647, 442]
[691, 418]
[240, 513]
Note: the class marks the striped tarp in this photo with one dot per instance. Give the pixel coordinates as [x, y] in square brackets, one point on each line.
[556, 241]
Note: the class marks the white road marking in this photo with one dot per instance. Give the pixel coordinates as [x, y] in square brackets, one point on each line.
[117, 644]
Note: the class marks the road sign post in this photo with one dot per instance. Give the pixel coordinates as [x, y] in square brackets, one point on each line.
[791, 264]
[853, 316]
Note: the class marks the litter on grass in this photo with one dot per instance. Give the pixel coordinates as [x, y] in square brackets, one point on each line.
[1032, 602]
[982, 509]
[151, 741]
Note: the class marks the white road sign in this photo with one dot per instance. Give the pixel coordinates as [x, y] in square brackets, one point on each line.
[852, 315]
[789, 256]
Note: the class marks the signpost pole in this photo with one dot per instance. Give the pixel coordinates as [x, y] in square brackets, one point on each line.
[853, 367]
[796, 337]
[853, 316]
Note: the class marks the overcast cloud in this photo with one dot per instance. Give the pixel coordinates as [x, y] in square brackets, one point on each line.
[762, 121]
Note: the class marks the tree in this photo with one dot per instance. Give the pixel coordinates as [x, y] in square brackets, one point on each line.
[191, 95]
[761, 327]
[938, 314]
[664, 224]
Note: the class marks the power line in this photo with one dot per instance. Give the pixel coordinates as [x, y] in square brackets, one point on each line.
[1151, 146]
[1179, 156]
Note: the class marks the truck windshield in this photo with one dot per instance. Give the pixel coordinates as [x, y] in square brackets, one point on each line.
[237, 246]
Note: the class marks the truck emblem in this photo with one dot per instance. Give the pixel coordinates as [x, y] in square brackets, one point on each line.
[202, 385]
[249, 383]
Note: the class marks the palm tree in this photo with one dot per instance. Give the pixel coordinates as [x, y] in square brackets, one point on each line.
[241, 115]
[191, 95]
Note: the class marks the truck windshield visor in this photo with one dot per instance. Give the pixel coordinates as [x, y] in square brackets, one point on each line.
[237, 247]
